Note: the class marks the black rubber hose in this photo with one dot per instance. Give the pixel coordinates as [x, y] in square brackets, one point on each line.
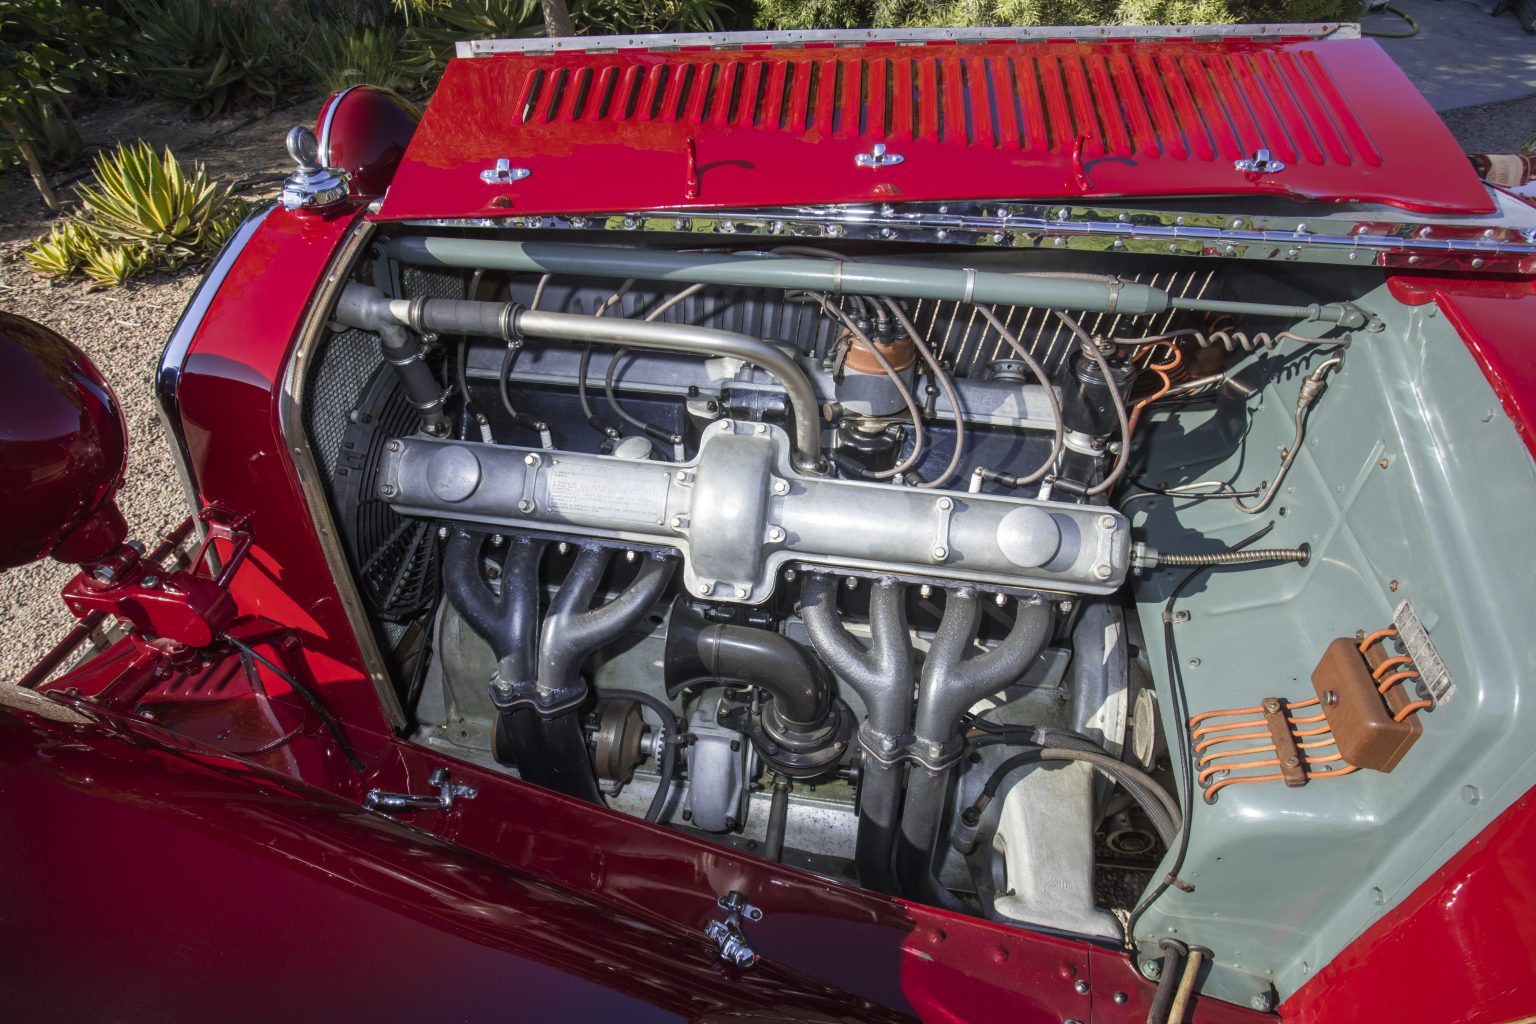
[1159, 806]
[1174, 953]
[567, 765]
[665, 748]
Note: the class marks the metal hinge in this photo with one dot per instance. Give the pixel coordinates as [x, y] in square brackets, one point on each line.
[1260, 163]
[878, 157]
[447, 792]
[727, 935]
[503, 173]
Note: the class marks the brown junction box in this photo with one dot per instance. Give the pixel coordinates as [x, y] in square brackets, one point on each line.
[1360, 717]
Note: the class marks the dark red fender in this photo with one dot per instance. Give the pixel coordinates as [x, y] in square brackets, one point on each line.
[1462, 948]
[229, 410]
[144, 885]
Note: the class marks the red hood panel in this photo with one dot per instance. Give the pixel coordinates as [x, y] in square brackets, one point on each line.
[635, 129]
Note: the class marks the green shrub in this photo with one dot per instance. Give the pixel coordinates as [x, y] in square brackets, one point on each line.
[111, 265]
[807, 14]
[213, 55]
[69, 243]
[625, 17]
[371, 55]
[435, 25]
[142, 211]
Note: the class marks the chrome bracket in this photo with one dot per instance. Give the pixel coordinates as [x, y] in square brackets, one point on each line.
[1260, 163]
[311, 185]
[727, 935]
[447, 792]
[878, 157]
[504, 173]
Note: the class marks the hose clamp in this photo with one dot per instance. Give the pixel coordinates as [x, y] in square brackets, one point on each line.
[415, 314]
[1115, 284]
[507, 324]
[970, 285]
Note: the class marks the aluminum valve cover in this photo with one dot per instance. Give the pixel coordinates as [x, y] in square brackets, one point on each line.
[739, 512]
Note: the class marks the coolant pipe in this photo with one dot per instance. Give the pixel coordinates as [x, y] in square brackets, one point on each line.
[862, 277]
[950, 685]
[364, 307]
[882, 676]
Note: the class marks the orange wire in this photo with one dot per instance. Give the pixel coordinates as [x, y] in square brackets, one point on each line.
[1259, 721]
[1311, 776]
[1290, 706]
[1396, 677]
[1212, 741]
[1380, 634]
[1409, 709]
[1223, 728]
[1208, 758]
[1237, 767]
[1213, 714]
[1167, 385]
[1381, 670]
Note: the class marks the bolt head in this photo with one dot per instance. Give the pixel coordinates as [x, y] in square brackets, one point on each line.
[775, 534]
[525, 506]
[387, 490]
[1271, 706]
[1081, 988]
[681, 476]
[742, 592]
[781, 487]
[1106, 522]
[1120, 997]
[1151, 969]
[394, 446]
[705, 588]
[940, 553]
[1102, 570]
[1263, 1002]
[945, 504]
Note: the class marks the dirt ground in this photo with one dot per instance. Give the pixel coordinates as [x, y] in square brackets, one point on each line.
[124, 329]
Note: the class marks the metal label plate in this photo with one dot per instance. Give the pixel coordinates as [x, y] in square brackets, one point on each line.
[577, 490]
[1433, 674]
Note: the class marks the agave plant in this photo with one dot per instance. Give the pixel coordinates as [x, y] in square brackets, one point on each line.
[216, 54]
[111, 265]
[148, 199]
[371, 55]
[63, 252]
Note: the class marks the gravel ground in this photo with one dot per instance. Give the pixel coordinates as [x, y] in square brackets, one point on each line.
[124, 330]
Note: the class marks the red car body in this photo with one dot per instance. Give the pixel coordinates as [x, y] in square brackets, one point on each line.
[188, 845]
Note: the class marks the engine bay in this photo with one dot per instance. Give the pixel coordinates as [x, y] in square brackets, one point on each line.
[868, 559]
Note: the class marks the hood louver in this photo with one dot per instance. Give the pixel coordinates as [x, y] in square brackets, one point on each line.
[1328, 120]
